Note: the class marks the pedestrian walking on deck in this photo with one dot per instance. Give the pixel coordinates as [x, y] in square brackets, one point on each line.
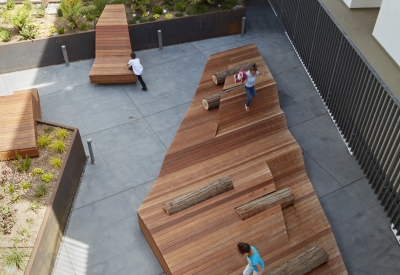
[255, 264]
[249, 85]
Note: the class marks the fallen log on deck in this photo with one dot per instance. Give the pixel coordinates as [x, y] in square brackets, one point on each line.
[213, 101]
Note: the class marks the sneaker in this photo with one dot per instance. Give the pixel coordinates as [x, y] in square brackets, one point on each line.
[144, 89]
[247, 108]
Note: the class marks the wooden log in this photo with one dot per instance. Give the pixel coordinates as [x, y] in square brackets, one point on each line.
[213, 101]
[219, 77]
[302, 264]
[284, 197]
[198, 195]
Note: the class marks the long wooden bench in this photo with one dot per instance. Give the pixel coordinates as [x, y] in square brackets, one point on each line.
[113, 47]
[18, 113]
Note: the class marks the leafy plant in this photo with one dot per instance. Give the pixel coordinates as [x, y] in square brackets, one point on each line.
[179, 14]
[71, 11]
[27, 4]
[168, 16]
[35, 206]
[180, 5]
[14, 197]
[58, 146]
[89, 17]
[156, 16]
[198, 2]
[48, 129]
[4, 35]
[56, 163]
[139, 4]
[118, 2]
[145, 14]
[40, 12]
[26, 185]
[11, 188]
[41, 190]
[25, 234]
[197, 9]
[15, 258]
[131, 21]
[10, 4]
[143, 20]
[89, 9]
[23, 165]
[229, 4]
[100, 5]
[37, 171]
[137, 17]
[168, 2]
[59, 12]
[151, 18]
[46, 178]
[20, 19]
[61, 30]
[43, 141]
[84, 27]
[29, 221]
[158, 10]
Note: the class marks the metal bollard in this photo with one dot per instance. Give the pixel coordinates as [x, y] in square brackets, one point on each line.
[89, 143]
[159, 40]
[64, 50]
[243, 25]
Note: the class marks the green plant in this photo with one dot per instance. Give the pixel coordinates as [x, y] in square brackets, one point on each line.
[29, 221]
[59, 12]
[41, 190]
[158, 10]
[180, 5]
[100, 5]
[10, 4]
[131, 21]
[117, 2]
[15, 258]
[71, 11]
[84, 27]
[58, 146]
[48, 129]
[20, 19]
[197, 9]
[26, 185]
[23, 165]
[137, 17]
[14, 197]
[61, 30]
[139, 4]
[151, 18]
[40, 12]
[229, 4]
[47, 177]
[168, 16]
[43, 141]
[27, 4]
[4, 35]
[179, 14]
[145, 14]
[35, 206]
[198, 2]
[143, 20]
[56, 163]
[89, 17]
[28, 32]
[37, 171]
[89, 9]
[156, 16]
[168, 2]
[11, 188]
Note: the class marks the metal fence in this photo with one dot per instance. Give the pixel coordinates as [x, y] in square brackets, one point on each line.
[364, 110]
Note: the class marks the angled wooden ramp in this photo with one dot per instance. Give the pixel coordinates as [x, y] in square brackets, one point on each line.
[258, 153]
[18, 113]
[113, 47]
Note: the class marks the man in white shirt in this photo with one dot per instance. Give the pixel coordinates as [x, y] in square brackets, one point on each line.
[137, 68]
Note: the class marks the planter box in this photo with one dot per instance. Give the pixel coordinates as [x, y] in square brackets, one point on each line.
[47, 242]
[47, 51]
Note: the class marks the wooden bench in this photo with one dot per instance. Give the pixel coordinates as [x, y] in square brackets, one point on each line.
[18, 113]
[113, 47]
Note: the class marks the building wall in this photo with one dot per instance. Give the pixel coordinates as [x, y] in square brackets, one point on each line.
[353, 4]
[387, 28]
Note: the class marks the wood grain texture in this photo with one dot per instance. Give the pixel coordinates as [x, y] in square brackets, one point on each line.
[259, 154]
[113, 47]
[18, 113]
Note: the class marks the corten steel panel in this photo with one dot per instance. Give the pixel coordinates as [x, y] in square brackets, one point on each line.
[48, 240]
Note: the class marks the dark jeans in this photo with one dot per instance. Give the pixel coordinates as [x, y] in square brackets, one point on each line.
[139, 77]
[250, 91]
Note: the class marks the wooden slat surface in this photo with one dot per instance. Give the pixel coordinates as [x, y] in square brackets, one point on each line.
[256, 150]
[18, 113]
[113, 46]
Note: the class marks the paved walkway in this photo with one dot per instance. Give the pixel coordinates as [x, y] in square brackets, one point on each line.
[131, 131]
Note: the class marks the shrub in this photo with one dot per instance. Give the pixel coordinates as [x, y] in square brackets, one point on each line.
[43, 141]
[100, 5]
[23, 165]
[20, 19]
[83, 27]
[143, 20]
[15, 258]
[10, 4]
[35, 206]
[26, 185]
[4, 35]
[27, 4]
[158, 10]
[89, 17]
[37, 171]
[137, 17]
[56, 163]
[197, 9]
[229, 4]
[118, 2]
[168, 16]
[179, 14]
[180, 5]
[71, 11]
[139, 4]
[131, 21]
[59, 12]
[40, 12]
[47, 177]
[151, 18]
[58, 146]
[145, 14]
[61, 30]
[156, 16]
[89, 9]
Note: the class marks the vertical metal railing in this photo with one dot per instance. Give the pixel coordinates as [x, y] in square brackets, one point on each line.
[362, 107]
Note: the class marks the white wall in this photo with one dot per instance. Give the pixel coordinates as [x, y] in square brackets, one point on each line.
[353, 4]
[387, 28]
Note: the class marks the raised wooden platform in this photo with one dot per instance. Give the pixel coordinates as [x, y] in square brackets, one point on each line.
[18, 113]
[113, 46]
[259, 154]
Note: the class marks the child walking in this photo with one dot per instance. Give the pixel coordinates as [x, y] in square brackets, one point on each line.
[255, 263]
[137, 69]
[249, 85]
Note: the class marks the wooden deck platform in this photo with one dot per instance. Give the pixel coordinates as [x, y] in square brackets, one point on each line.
[113, 46]
[257, 151]
[18, 113]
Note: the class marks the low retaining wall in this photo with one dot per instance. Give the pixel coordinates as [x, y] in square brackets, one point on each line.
[55, 220]
[47, 51]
